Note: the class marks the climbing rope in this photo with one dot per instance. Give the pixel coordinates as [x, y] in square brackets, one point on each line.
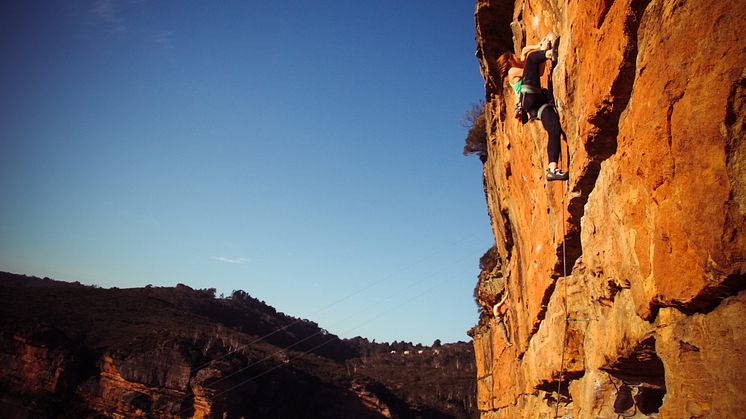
[565, 188]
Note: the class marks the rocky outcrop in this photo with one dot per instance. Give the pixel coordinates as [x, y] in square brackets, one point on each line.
[140, 384]
[635, 268]
[39, 361]
[40, 369]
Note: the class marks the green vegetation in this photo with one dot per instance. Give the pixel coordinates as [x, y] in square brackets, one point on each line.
[476, 140]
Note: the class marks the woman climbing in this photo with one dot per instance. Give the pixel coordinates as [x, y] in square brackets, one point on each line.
[523, 76]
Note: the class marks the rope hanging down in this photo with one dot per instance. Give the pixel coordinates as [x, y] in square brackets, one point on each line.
[565, 187]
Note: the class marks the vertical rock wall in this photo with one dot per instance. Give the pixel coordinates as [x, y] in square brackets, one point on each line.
[651, 96]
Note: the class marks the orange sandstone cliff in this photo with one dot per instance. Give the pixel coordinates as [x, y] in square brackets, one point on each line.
[651, 98]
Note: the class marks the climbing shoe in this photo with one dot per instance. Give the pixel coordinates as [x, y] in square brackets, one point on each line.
[556, 175]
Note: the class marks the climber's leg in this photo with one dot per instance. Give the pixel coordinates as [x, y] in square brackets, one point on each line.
[551, 123]
[501, 323]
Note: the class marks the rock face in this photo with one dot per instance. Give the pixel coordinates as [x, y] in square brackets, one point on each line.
[638, 263]
[139, 384]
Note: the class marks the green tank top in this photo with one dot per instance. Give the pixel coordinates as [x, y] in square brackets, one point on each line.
[517, 86]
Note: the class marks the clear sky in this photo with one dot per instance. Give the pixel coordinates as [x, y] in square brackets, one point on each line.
[307, 152]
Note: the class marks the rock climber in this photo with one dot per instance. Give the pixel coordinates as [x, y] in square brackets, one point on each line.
[498, 313]
[523, 75]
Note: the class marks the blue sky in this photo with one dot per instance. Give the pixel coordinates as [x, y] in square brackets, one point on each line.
[307, 152]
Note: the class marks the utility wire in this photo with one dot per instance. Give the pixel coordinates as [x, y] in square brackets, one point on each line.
[423, 259]
[304, 353]
[346, 297]
[367, 308]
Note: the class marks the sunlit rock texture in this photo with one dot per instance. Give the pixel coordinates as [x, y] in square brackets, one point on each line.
[649, 230]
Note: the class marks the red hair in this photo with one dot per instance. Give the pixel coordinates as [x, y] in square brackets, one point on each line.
[505, 62]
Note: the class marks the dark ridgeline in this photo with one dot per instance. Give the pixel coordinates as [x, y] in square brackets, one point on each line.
[68, 351]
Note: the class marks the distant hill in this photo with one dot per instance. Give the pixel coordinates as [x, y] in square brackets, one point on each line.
[69, 350]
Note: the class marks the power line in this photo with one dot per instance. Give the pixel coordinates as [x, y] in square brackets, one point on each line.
[347, 297]
[304, 353]
[367, 308]
[413, 283]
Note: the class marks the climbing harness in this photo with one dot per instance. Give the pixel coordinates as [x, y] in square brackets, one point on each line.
[525, 88]
[542, 108]
[523, 114]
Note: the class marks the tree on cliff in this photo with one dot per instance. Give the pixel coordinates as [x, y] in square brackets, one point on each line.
[476, 139]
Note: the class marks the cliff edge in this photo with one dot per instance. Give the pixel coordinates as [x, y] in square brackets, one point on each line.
[623, 287]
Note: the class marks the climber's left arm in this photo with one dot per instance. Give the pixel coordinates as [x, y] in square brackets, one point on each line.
[527, 49]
